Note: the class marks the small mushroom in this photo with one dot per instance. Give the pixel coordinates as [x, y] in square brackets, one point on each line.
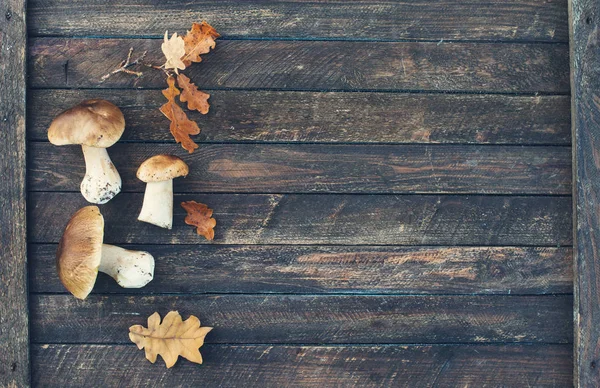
[95, 125]
[158, 173]
[81, 254]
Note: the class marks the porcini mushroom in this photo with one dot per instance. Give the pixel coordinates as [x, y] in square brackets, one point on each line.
[95, 125]
[81, 254]
[158, 173]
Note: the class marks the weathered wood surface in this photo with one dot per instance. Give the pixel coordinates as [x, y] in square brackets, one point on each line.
[14, 350]
[446, 19]
[338, 269]
[301, 366]
[326, 219]
[585, 57]
[274, 116]
[312, 319]
[310, 65]
[308, 168]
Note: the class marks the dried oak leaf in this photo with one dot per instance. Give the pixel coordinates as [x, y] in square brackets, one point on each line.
[174, 50]
[171, 338]
[196, 99]
[181, 127]
[199, 215]
[199, 40]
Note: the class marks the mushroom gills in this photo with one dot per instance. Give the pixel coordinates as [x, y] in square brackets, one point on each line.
[158, 204]
[131, 269]
[102, 180]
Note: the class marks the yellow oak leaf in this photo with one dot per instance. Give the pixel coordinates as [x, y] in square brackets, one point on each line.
[199, 40]
[171, 338]
[196, 99]
[181, 126]
[174, 50]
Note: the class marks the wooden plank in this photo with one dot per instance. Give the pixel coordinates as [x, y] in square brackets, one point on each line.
[326, 269]
[14, 341]
[302, 366]
[311, 65]
[309, 168]
[585, 57]
[327, 219]
[447, 19]
[312, 319]
[273, 116]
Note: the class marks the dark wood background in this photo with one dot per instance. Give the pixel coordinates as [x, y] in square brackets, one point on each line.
[391, 183]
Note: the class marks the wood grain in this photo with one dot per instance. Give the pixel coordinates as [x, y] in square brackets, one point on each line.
[326, 219]
[308, 168]
[311, 65]
[273, 116]
[312, 319]
[422, 19]
[14, 341]
[302, 366]
[585, 43]
[326, 269]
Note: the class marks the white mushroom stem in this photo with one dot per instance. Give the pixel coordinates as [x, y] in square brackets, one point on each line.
[158, 204]
[102, 180]
[131, 269]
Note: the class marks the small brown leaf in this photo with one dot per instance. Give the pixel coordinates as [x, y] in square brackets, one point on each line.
[181, 127]
[199, 40]
[199, 215]
[174, 50]
[171, 338]
[196, 99]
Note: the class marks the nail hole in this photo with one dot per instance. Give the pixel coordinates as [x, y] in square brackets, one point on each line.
[593, 364]
[8, 15]
[588, 20]
[13, 367]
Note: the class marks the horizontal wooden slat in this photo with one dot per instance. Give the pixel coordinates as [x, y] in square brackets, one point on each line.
[420, 19]
[309, 65]
[308, 366]
[326, 219]
[311, 319]
[310, 168]
[272, 116]
[324, 269]
[328, 366]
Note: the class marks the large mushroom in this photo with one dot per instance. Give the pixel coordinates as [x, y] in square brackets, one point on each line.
[81, 254]
[95, 125]
[158, 173]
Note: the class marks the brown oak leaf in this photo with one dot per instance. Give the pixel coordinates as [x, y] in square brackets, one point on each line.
[196, 99]
[199, 40]
[199, 215]
[174, 50]
[171, 338]
[181, 127]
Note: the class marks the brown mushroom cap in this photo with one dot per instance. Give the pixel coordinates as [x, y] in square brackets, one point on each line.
[95, 123]
[80, 251]
[161, 168]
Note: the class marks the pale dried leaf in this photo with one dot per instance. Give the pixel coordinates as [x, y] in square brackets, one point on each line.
[174, 50]
[171, 338]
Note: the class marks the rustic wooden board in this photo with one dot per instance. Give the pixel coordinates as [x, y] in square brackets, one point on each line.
[271, 168]
[274, 116]
[311, 65]
[326, 219]
[14, 341]
[422, 19]
[301, 366]
[312, 319]
[585, 58]
[327, 269]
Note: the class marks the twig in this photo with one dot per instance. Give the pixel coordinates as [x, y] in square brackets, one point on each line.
[126, 64]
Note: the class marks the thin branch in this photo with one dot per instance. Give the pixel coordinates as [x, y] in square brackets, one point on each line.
[126, 64]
